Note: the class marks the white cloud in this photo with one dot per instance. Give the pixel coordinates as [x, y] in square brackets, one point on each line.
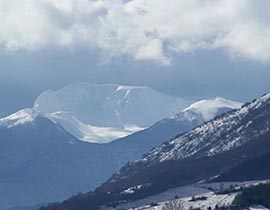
[140, 29]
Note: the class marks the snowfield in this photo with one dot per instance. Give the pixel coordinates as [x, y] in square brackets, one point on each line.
[90, 133]
[186, 193]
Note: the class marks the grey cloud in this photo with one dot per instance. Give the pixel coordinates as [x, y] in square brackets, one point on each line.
[139, 29]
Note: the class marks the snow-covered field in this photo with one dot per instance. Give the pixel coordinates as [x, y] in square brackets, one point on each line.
[211, 201]
[184, 195]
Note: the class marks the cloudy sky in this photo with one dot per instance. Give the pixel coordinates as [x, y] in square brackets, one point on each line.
[188, 48]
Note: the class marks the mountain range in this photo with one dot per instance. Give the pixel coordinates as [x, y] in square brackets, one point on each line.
[43, 162]
[233, 146]
[103, 113]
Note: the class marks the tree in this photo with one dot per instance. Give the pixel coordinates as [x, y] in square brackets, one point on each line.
[193, 198]
[173, 205]
[221, 187]
[190, 208]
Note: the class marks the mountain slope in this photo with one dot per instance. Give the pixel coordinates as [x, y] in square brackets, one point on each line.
[111, 107]
[90, 133]
[216, 137]
[230, 141]
[192, 116]
[208, 108]
[41, 162]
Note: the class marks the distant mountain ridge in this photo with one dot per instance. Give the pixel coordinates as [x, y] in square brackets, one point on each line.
[38, 153]
[102, 113]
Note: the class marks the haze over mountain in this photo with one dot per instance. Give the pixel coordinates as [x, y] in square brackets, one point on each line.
[102, 113]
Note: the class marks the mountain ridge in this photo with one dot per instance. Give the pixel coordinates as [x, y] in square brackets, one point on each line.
[105, 112]
[46, 147]
[125, 109]
[187, 164]
[183, 147]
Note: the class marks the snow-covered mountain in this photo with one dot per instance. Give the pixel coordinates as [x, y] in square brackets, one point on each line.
[236, 128]
[102, 113]
[42, 162]
[234, 146]
[21, 117]
[207, 109]
[33, 153]
[168, 128]
[233, 133]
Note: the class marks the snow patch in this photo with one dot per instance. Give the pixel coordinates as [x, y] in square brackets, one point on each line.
[205, 195]
[19, 118]
[90, 133]
[209, 108]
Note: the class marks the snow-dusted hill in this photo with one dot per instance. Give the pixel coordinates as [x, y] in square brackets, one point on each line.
[168, 128]
[235, 129]
[188, 197]
[102, 113]
[223, 134]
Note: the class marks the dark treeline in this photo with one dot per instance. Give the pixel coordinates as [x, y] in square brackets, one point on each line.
[259, 194]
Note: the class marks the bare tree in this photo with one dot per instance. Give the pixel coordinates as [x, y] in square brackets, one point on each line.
[173, 205]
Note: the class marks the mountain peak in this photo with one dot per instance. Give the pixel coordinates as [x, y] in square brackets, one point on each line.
[108, 106]
[209, 108]
[19, 118]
